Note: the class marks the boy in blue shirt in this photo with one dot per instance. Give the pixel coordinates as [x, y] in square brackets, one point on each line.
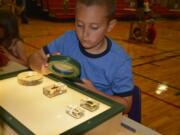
[105, 67]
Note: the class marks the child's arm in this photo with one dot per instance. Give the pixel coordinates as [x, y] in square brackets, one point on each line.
[21, 53]
[11, 57]
[38, 62]
[126, 101]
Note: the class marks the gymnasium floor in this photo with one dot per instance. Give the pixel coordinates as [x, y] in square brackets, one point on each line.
[156, 67]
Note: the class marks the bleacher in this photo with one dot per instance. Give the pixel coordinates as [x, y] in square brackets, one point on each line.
[65, 9]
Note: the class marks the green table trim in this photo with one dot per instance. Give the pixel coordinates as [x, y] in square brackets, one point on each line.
[77, 130]
[14, 123]
[11, 74]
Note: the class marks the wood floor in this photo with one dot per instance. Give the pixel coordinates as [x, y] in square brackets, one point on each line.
[156, 67]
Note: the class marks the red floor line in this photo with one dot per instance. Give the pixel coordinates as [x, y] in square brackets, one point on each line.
[176, 106]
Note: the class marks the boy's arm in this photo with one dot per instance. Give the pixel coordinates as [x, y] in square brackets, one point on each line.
[126, 101]
[38, 62]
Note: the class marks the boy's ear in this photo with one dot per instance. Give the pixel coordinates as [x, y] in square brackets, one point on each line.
[112, 23]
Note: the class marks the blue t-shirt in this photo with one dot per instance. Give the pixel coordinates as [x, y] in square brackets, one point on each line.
[109, 71]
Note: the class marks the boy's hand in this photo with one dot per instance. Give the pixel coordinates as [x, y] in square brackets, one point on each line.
[87, 84]
[56, 53]
[44, 67]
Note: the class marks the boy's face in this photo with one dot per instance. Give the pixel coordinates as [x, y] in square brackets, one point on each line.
[91, 26]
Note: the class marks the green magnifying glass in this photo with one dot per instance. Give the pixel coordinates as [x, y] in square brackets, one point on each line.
[65, 67]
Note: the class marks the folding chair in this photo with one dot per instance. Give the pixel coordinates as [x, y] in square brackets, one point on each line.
[135, 111]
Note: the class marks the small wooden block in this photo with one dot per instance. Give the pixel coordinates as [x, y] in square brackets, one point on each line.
[54, 89]
[75, 111]
[89, 104]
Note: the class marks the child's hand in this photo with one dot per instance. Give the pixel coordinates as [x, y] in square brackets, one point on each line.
[87, 84]
[1, 50]
[7, 54]
[3, 60]
[44, 69]
[55, 53]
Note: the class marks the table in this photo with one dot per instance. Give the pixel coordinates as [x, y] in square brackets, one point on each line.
[10, 68]
[28, 111]
[25, 110]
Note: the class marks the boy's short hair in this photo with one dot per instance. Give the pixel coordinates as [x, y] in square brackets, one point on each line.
[109, 4]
